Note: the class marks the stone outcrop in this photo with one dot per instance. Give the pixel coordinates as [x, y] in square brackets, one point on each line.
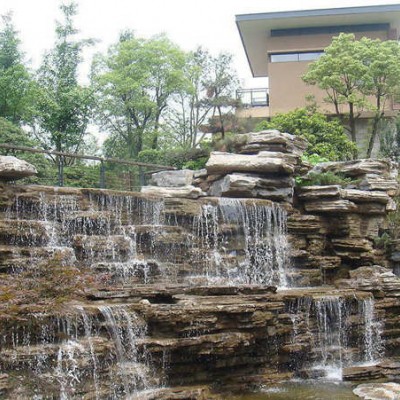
[188, 191]
[271, 140]
[12, 168]
[252, 186]
[178, 178]
[264, 162]
[174, 299]
[378, 391]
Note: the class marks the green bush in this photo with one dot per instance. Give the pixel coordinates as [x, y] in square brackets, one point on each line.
[323, 178]
[325, 138]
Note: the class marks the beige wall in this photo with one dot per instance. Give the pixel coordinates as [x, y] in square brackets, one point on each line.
[286, 89]
[253, 112]
[313, 42]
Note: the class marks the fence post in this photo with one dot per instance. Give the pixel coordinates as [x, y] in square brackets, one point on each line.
[141, 176]
[102, 175]
[61, 171]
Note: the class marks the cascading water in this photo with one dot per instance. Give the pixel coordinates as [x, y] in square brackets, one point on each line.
[82, 358]
[342, 332]
[373, 343]
[125, 328]
[331, 341]
[262, 257]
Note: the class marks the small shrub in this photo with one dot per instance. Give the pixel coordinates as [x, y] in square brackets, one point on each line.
[323, 178]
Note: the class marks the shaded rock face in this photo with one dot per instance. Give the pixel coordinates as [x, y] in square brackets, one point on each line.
[12, 168]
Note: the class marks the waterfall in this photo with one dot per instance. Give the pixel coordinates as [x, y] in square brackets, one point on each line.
[125, 328]
[243, 243]
[331, 341]
[340, 331]
[373, 344]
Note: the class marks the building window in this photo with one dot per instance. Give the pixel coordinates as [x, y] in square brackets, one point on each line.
[295, 57]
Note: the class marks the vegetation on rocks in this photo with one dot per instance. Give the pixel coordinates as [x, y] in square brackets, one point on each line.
[326, 138]
[46, 288]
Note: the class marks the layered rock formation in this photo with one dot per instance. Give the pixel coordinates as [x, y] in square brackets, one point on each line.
[182, 300]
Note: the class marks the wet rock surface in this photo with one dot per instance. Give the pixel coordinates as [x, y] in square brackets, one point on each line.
[184, 292]
[378, 391]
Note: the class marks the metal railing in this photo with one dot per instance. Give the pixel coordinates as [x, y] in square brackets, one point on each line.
[62, 157]
[256, 97]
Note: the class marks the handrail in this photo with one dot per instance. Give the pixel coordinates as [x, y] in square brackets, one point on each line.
[87, 157]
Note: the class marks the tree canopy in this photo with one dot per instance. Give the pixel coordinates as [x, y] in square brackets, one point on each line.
[15, 80]
[63, 106]
[134, 82]
[358, 75]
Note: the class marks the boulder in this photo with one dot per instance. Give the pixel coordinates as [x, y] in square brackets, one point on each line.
[253, 186]
[272, 140]
[330, 206]
[187, 191]
[263, 162]
[317, 192]
[178, 178]
[378, 391]
[373, 182]
[357, 168]
[373, 278]
[12, 168]
[362, 196]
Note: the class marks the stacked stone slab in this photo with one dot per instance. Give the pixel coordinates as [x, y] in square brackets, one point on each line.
[263, 167]
[12, 168]
[173, 184]
[338, 226]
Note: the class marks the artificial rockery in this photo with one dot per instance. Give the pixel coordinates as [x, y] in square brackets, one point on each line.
[206, 283]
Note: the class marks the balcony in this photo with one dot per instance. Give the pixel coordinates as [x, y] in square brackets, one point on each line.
[253, 97]
[254, 103]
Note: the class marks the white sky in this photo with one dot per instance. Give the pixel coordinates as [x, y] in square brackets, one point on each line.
[189, 23]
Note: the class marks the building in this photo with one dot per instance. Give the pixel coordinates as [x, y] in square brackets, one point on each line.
[280, 46]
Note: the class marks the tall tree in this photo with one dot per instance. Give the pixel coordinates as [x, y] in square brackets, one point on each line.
[221, 87]
[15, 80]
[210, 93]
[135, 82]
[357, 75]
[192, 107]
[63, 105]
[382, 80]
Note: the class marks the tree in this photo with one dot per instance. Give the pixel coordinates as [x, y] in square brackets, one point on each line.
[63, 105]
[325, 138]
[382, 79]
[16, 84]
[135, 82]
[357, 76]
[209, 94]
[221, 88]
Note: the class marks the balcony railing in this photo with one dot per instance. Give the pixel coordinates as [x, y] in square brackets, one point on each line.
[258, 97]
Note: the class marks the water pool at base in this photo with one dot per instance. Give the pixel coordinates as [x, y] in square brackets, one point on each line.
[304, 390]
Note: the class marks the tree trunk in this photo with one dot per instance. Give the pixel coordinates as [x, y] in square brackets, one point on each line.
[352, 125]
[374, 133]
